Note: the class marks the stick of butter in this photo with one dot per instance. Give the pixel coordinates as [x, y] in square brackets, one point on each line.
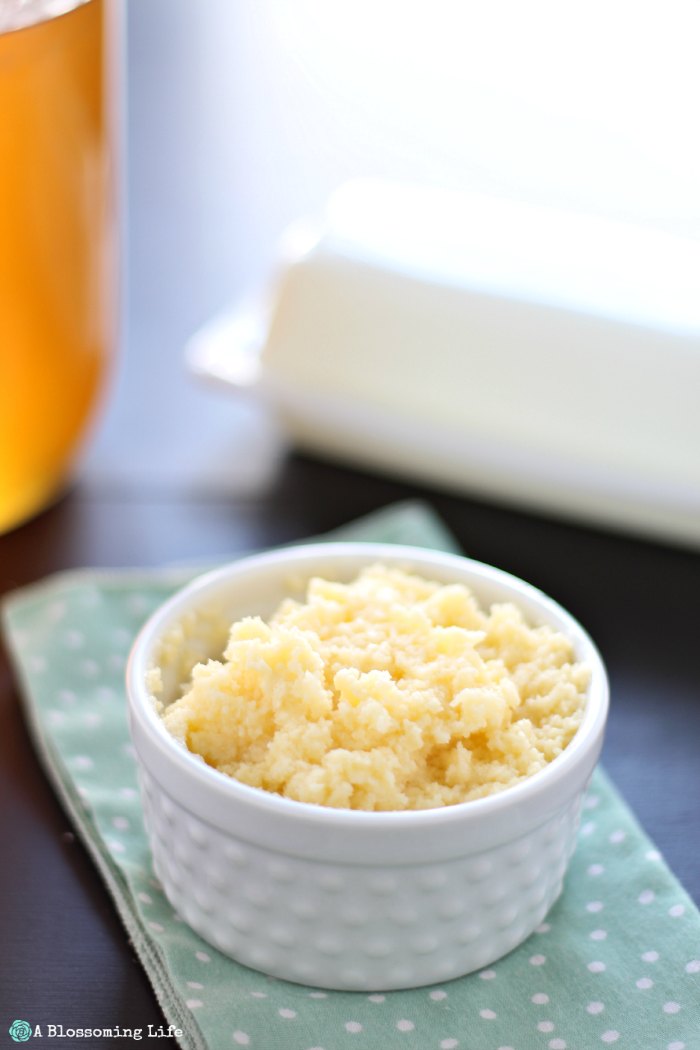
[543, 358]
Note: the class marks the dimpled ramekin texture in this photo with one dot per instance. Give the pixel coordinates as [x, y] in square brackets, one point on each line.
[358, 927]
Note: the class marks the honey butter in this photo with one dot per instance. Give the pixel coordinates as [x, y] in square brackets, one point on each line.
[391, 692]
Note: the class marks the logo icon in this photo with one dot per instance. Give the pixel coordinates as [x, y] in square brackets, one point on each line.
[21, 1031]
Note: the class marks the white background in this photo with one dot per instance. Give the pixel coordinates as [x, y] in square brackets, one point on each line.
[244, 114]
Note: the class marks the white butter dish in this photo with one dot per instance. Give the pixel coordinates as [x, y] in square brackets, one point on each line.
[547, 359]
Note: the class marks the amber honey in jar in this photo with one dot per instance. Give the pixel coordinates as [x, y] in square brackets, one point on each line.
[57, 251]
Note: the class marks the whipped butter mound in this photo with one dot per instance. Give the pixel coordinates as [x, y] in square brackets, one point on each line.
[391, 692]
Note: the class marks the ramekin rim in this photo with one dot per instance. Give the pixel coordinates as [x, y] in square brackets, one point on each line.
[140, 706]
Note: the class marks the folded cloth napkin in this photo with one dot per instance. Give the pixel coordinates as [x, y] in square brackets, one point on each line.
[616, 962]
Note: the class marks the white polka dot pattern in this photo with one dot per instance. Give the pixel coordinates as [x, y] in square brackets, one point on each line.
[655, 944]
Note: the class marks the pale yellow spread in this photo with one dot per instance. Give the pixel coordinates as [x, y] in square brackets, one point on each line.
[390, 692]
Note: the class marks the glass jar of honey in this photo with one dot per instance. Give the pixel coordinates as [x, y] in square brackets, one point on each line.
[57, 240]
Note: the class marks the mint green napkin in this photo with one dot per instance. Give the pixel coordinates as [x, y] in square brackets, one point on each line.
[616, 962]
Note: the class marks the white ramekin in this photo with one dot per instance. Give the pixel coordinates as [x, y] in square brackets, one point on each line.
[347, 899]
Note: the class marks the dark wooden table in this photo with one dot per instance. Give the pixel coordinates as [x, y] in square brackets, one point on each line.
[66, 958]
